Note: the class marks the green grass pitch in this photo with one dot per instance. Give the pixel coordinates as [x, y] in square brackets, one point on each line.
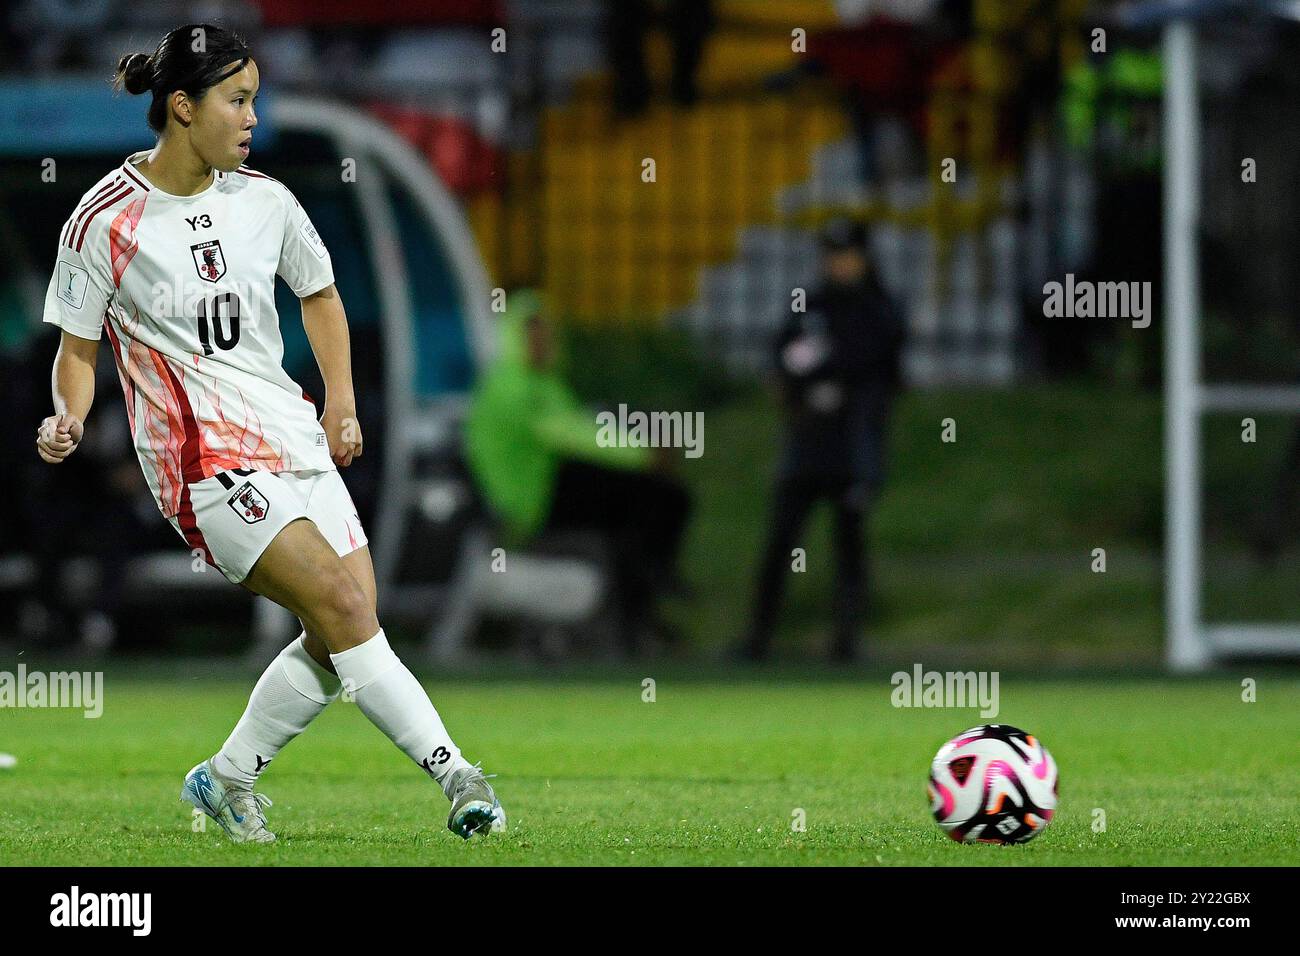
[711, 772]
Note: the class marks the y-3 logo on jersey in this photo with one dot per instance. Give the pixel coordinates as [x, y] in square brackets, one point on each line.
[209, 260]
[204, 221]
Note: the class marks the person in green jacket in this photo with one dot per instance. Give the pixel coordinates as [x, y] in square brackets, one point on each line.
[533, 452]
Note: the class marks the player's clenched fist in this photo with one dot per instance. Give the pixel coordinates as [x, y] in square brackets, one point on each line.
[342, 432]
[58, 437]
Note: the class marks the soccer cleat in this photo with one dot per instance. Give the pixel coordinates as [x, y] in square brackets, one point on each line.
[237, 809]
[474, 806]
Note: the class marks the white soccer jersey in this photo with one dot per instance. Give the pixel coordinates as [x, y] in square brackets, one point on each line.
[185, 286]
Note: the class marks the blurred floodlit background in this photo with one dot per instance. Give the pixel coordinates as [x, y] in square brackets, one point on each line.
[449, 148]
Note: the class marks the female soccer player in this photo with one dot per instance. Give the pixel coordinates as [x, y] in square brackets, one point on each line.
[175, 254]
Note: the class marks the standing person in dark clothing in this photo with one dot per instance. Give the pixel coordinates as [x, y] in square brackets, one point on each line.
[688, 24]
[838, 366]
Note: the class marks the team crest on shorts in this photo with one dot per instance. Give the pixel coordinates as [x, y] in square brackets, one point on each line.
[209, 260]
[249, 503]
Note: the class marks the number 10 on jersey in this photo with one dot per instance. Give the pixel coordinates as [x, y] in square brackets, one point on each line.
[223, 330]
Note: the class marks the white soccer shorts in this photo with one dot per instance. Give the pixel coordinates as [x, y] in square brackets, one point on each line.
[233, 516]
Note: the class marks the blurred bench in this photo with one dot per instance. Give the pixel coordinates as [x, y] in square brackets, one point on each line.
[554, 588]
[151, 577]
[557, 582]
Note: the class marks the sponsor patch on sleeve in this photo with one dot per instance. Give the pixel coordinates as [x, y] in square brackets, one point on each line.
[72, 284]
[313, 238]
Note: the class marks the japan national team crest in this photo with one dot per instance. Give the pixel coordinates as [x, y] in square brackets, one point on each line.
[209, 260]
[249, 503]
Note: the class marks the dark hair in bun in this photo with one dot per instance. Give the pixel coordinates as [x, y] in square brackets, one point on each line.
[135, 72]
[192, 58]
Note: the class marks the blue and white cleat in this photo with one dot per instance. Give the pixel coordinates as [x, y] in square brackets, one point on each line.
[237, 809]
[474, 805]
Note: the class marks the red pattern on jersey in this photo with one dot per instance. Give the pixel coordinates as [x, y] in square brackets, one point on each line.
[192, 442]
[162, 442]
[89, 216]
[152, 418]
[135, 177]
[165, 430]
[188, 431]
[122, 245]
[191, 460]
[128, 386]
[187, 424]
[74, 221]
[182, 446]
[190, 526]
[236, 438]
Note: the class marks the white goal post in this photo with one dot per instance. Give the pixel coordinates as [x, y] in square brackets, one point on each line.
[1191, 644]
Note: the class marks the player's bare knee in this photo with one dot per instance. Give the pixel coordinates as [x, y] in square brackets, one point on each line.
[345, 613]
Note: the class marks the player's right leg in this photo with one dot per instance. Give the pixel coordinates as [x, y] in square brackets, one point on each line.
[296, 686]
[301, 571]
[230, 519]
[358, 562]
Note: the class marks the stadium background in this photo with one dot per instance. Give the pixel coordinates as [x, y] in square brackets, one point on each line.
[669, 289]
[478, 170]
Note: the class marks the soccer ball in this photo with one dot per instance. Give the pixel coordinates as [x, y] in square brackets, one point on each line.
[993, 784]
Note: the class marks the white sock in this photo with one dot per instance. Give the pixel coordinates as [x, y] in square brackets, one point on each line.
[393, 699]
[292, 691]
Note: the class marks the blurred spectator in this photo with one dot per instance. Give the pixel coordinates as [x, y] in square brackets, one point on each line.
[838, 364]
[1111, 112]
[532, 450]
[688, 24]
[883, 59]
